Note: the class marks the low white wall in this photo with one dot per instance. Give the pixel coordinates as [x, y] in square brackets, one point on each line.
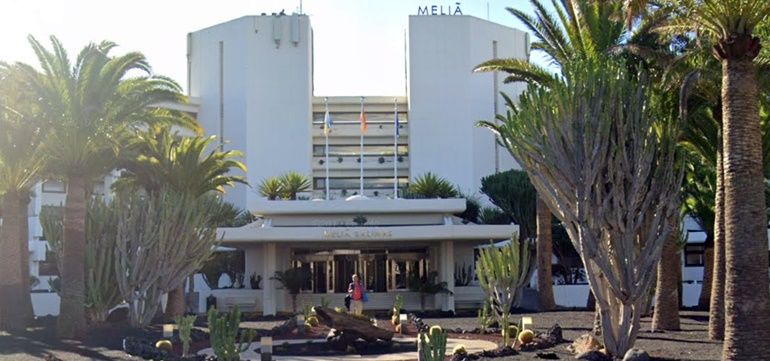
[571, 295]
[45, 303]
[690, 294]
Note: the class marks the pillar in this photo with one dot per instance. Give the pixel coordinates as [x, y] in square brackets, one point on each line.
[446, 273]
[269, 287]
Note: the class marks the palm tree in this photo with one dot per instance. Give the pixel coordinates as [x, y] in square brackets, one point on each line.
[730, 25]
[292, 280]
[88, 106]
[426, 285]
[271, 188]
[430, 185]
[575, 30]
[293, 183]
[21, 162]
[159, 159]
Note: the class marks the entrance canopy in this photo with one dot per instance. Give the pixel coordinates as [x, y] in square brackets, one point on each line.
[365, 220]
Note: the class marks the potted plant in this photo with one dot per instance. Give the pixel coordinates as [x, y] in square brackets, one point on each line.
[255, 281]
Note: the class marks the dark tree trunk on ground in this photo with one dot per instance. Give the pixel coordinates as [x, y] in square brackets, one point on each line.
[717, 301]
[175, 305]
[747, 322]
[13, 291]
[544, 256]
[666, 315]
[708, 267]
[72, 316]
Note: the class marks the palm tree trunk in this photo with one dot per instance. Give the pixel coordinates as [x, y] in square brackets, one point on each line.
[12, 289]
[666, 315]
[708, 268]
[26, 306]
[544, 255]
[747, 322]
[72, 315]
[175, 305]
[717, 302]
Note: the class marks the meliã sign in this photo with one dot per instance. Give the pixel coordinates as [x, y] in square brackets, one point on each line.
[356, 234]
[440, 10]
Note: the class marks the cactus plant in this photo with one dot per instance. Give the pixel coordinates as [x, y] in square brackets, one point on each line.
[102, 293]
[223, 330]
[510, 335]
[484, 317]
[164, 345]
[397, 304]
[433, 345]
[185, 324]
[459, 350]
[526, 336]
[501, 271]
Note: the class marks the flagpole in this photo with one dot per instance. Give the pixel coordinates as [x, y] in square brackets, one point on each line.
[395, 148]
[326, 150]
[361, 189]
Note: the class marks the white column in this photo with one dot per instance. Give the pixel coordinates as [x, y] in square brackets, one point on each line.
[446, 273]
[268, 270]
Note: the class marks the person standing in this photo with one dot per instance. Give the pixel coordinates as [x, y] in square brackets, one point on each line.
[357, 296]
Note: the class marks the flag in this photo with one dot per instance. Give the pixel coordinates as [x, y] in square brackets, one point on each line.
[327, 123]
[398, 131]
[362, 119]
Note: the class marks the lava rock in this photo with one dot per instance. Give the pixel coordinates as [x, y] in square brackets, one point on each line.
[499, 352]
[554, 334]
[593, 355]
[636, 354]
[585, 343]
[141, 348]
[547, 355]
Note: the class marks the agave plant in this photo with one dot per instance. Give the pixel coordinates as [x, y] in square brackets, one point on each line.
[430, 185]
[293, 183]
[272, 188]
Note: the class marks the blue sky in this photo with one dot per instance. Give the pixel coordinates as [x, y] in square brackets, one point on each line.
[359, 44]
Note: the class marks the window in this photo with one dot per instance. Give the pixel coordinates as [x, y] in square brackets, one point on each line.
[54, 186]
[693, 255]
[354, 183]
[354, 150]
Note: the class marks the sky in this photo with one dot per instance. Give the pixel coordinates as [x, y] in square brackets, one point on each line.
[358, 44]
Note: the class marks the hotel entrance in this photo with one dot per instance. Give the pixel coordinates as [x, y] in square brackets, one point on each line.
[382, 270]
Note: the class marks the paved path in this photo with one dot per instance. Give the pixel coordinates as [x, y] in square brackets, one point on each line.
[470, 346]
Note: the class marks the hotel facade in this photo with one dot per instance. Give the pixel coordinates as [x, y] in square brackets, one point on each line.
[250, 82]
[252, 79]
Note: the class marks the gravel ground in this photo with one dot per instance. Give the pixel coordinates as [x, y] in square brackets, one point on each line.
[689, 344]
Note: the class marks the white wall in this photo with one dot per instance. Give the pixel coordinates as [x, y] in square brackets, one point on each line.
[266, 93]
[446, 99]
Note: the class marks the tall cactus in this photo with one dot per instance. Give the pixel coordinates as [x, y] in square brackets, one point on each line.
[223, 331]
[432, 345]
[102, 293]
[501, 272]
[185, 324]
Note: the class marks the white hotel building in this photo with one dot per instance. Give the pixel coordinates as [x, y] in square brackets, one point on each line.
[251, 84]
[252, 79]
